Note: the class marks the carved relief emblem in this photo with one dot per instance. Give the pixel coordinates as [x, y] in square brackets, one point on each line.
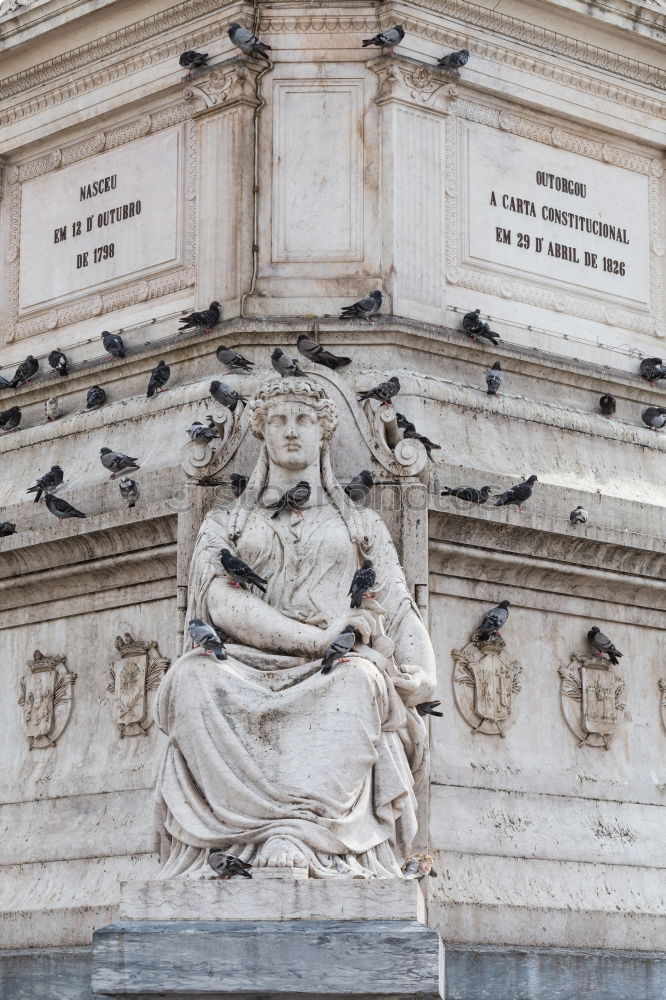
[662, 701]
[485, 683]
[133, 680]
[591, 694]
[46, 699]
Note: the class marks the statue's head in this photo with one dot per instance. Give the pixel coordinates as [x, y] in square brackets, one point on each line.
[293, 417]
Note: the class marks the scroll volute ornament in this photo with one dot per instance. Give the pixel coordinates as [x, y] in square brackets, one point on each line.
[591, 692]
[485, 682]
[46, 699]
[133, 680]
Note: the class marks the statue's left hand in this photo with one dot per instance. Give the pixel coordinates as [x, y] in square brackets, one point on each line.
[414, 684]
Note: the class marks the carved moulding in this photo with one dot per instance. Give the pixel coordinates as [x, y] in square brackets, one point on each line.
[227, 84]
[485, 683]
[46, 699]
[412, 82]
[662, 700]
[591, 693]
[133, 681]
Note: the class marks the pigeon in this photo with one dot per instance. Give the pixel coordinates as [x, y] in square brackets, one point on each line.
[578, 516]
[227, 865]
[293, 499]
[403, 423]
[159, 377]
[516, 494]
[116, 462]
[233, 361]
[342, 644]
[204, 320]
[359, 487]
[364, 308]
[53, 408]
[652, 369]
[454, 61]
[384, 392]
[50, 481]
[24, 372]
[386, 39]
[193, 60]
[248, 43]
[493, 621]
[494, 379]
[238, 483]
[58, 361]
[654, 417]
[60, 507]
[607, 405]
[284, 365]
[204, 635]
[241, 574]
[412, 433]
[10, 419]
[469, 493]
[475, 327]
[95, 397]
[417, 866]
[129, 490]
[429, 708]
[201, 433]
[224, 394]
[6, 529]
[602, 644]
[318, 355]
[113, 344]
[362, 583]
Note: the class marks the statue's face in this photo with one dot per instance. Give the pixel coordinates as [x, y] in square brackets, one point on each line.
[292, 434]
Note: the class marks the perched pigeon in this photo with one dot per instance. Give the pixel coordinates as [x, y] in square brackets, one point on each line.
[469, 493]
[430, 708]
[386, 39]
[403, 423]
[654, 417]
[493, 621]
[10, 419]
[241, 574]
[6, 528]
[454, 61]
[204, 320]
[113, 344]
[116, 462]
[359, 487]
[578, 516]
[53, 408]
[201, 432]
[238, 483]
[602, 644]
[58, 361]
[50, 481]
[24, 372]
[233, 361]
[384, 392]
[159, 377]
[494, 379]
[342, 644]
[293, 499]
[60, 507]
[227, 865]
[652, 369]
[430, 446]
[224, 394]
[516, 494]
[248, 43]
[95, 397]
[364, 308]
[204, 635]
[607, 405]
[474, 326]
[318, 355]
[193, 60]
[417, 866]
[129, 490]
[284, 365]
[362, 583]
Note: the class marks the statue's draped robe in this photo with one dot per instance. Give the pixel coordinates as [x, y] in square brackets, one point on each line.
[263, 744]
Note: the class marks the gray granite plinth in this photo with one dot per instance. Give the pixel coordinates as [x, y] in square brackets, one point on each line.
[227, 958]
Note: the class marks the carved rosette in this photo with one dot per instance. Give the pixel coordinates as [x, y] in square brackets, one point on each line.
[591, 693]
[485, 683]
[662, 699]
[133, 681]
[46, 699]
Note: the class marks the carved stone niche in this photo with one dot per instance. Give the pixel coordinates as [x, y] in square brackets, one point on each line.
[133, 680]
[591, 693]
[46, 699]
[485, 682]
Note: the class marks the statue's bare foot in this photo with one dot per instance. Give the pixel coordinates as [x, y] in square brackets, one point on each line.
[279, 853]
